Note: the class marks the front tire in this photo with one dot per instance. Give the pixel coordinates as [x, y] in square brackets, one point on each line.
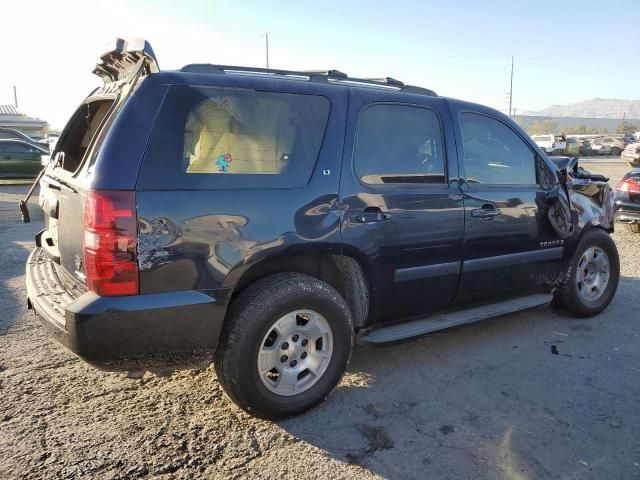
[286, 344]
[593, 277]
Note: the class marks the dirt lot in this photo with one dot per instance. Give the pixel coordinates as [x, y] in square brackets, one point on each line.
[485, 401]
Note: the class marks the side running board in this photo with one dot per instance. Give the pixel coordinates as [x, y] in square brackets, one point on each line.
[416, 328]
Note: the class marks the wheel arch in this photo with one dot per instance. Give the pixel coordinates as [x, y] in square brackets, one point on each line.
[342, 272]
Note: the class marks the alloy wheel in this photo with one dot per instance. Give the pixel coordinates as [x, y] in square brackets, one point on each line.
[295, 352]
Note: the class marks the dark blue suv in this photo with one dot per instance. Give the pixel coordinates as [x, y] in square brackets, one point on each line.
[264, 219]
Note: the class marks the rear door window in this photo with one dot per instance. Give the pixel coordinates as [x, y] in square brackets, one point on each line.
[399, 144]
[210, 137]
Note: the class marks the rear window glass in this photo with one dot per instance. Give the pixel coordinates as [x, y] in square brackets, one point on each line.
[80, 132]
[210, 137]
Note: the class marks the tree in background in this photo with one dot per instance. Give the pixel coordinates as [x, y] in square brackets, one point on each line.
[596, 130]
[543, 128]
[575, 130]
[626, 127]
[546, 127]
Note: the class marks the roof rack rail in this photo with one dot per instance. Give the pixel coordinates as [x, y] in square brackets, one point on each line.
[387, 80]
[328, 73]
[322, 76]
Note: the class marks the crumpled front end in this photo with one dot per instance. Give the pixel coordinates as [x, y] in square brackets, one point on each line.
[591, 200]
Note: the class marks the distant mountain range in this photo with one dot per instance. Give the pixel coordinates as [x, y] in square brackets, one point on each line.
[596, 108]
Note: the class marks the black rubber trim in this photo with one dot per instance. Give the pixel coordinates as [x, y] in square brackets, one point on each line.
[519, 258]
[627, 206]
[624, 216]
[427, 271]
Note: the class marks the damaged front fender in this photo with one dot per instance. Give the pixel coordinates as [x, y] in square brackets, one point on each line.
[580, 201]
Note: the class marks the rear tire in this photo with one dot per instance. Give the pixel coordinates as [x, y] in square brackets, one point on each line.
[615, 151]
[284, 315]
[593, 277]
[634, 227]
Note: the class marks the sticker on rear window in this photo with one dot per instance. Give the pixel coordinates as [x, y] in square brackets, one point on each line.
[224, 162]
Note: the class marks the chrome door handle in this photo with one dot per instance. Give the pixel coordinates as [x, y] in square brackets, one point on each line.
[370, 215]
[486, 212]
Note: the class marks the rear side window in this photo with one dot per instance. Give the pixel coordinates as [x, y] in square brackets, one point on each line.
[225, 138]
[494, 153]
[399, 144]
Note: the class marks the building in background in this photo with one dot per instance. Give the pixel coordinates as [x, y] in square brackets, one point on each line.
[10, 117]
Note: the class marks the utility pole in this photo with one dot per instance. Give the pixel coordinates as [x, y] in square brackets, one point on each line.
[511, 87]
[15, 96]
[266, 43]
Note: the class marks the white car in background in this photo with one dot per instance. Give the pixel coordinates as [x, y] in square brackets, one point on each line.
[551, 143]
[631, 154]
[607, 146]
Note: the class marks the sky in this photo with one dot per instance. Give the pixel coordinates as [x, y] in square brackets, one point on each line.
[564, 52]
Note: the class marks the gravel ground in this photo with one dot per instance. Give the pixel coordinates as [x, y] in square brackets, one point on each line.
[488, 400]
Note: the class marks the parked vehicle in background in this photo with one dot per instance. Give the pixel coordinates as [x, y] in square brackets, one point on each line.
[262, 219]
[573, 147]
[629, 138]
[608, 146]
[13, 134]
[20, 159]
[545, 142]
[560, 143]
[627, 206]
[631, 154]
[551, 144]
[599, 147]
[584, 148]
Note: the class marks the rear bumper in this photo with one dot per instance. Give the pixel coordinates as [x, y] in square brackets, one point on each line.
[626, 211]
[138, 332]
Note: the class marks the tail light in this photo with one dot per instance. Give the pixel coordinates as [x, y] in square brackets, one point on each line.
[629, 184]
[110, 237]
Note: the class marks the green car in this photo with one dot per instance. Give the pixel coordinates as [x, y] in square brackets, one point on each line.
[573, 147]
[20, 159]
